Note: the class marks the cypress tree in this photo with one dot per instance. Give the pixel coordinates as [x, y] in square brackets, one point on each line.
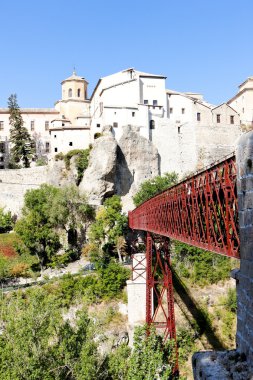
[22, 144]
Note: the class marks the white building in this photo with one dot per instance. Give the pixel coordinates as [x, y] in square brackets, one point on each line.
[242, 102]
[187, 131]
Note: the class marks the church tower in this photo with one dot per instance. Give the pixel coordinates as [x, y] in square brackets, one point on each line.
[74, 88]
[74, 106]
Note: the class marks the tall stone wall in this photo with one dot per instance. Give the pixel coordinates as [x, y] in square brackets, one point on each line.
[15, 182]
[244, 336]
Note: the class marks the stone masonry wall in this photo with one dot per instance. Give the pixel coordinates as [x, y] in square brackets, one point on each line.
[15, 182]
[244, 336]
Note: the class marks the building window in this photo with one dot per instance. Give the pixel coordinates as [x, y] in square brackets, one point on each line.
[218, 118]
[1, 125]
[70, 143]
[243, 110]
[154, 102]
[78, 93]
[98, 125]
[198, 116]
[47, 147]
[145, 101]
[183, 111]
[152, 124]
[70, 92]
[46, 125]
[32, 125]
[62, 124]
[2, 159]
[171, 110]
[56, 150]
[232, 119]
[55, 136]
[178, 129]
[133, 114]
[2, 147]
[115, 125]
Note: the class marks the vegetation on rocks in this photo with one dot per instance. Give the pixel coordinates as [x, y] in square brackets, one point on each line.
[154, 186]
[81, 160]
[107, 232]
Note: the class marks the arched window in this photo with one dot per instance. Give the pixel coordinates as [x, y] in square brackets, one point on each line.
[70, 92]
[78, 92]
[152, 124]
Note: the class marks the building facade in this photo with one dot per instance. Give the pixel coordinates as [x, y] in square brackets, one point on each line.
[187, 131]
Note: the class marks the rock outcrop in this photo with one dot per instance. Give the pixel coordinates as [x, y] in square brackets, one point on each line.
[137, 161]
[98, 181]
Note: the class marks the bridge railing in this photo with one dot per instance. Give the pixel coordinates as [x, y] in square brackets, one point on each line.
[201, 210]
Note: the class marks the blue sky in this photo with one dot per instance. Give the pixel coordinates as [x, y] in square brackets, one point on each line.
[200, 45]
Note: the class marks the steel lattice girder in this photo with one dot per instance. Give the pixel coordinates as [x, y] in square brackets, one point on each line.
[200, 211]
[159, 289]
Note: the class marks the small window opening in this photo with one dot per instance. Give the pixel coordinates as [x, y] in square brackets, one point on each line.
[152, 124]
[70, 143]
[218, 118]
[133, 114]
[115, 125]
[183, 111]
[70, 92]
[56, 150]
[78, 93]
[145, 101]
[32, 125]
[171, 110]
[46, 125]
[98, 125]
[198, 116]
[232, 119]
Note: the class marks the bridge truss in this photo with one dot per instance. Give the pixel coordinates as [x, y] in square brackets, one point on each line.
[201, 211]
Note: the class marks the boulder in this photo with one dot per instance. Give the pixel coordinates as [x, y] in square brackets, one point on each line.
[99, 178]
[137, 161]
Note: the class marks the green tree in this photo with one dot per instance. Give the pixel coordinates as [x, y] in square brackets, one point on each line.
[154, 186]
[35, 228]
[109, 225]
[70, 211]
[22, 145]
[151, 358]
[37, 344]
[6, 223]
[46, 211]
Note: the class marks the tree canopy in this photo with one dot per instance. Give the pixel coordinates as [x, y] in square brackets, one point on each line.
[23, 147]
[46, 211]
[110, 225]
[154, 186]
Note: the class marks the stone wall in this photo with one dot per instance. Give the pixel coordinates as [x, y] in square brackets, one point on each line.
[15, 182]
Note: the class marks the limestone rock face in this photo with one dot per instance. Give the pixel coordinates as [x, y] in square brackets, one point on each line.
[99, 178]
[137, 161]
[58, 175]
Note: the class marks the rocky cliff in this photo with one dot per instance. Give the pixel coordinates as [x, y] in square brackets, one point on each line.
[114, 168]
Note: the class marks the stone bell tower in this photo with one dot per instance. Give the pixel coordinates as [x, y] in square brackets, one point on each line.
[74, 88]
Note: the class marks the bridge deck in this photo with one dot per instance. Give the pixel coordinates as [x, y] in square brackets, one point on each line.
[201, 210]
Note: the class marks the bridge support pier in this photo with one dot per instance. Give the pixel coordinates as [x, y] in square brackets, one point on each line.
[136, 294]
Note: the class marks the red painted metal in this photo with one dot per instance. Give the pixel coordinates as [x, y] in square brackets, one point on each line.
[200, 211]
[159, 289]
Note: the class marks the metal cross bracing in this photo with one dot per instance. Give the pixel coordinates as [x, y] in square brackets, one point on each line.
[201, 211]
[159, 289]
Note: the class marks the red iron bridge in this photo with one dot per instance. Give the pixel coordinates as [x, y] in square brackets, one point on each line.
[201, 211]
